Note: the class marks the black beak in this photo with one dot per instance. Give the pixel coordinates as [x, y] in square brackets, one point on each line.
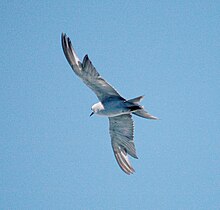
[91, 114]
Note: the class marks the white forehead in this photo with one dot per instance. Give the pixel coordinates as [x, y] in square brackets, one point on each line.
[97, 106]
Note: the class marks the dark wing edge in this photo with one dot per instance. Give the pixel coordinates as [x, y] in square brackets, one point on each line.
[121, 132]
[71, 55]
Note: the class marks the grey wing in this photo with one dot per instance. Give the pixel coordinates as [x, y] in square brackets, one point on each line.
[122, 139]
[87, 72]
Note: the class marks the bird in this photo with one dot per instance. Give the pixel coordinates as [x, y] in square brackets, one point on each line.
[111, 104]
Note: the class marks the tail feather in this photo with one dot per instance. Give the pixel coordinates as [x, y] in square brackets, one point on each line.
[136, 100]
[137, 109]
[144, 114]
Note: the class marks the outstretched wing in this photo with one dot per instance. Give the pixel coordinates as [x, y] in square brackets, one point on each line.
[122, 134]
[87, 72]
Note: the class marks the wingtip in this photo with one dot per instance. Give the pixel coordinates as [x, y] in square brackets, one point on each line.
[63, 35]
[65, 39]
[124, 163]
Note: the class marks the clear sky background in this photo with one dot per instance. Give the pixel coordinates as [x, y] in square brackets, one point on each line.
[54, 156]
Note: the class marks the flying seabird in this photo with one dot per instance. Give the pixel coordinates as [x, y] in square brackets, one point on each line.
[111, 104]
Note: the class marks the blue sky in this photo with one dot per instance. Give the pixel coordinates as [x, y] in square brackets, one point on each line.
[54, 156]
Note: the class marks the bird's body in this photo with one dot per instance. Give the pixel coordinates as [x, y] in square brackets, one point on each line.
[114, 107]
[111, 105]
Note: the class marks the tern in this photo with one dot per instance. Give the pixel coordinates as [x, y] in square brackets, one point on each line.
[111, 104]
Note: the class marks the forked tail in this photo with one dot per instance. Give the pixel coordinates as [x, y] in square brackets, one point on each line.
[141, 112]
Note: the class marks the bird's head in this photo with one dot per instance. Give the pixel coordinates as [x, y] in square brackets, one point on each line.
[97, 108]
